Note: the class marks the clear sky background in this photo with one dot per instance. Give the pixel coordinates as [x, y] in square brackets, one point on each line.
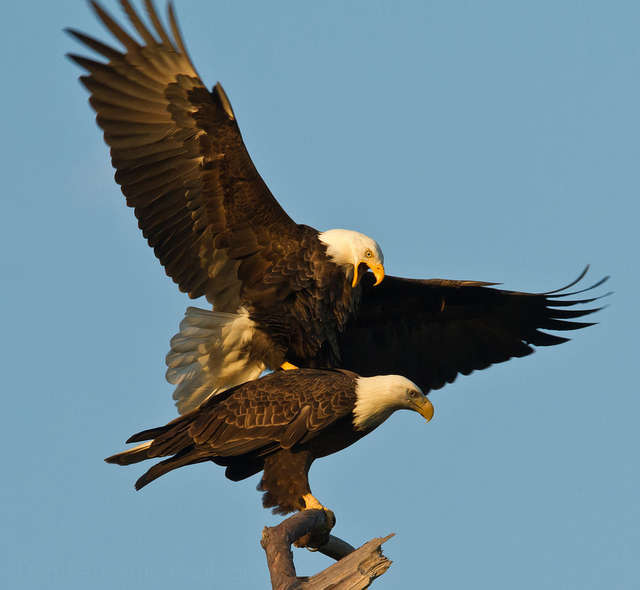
[492, 140]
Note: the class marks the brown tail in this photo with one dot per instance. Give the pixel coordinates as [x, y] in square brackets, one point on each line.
[172, 439]
[185, 457]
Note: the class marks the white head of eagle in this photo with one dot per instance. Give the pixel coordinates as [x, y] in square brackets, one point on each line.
[350, 249]
[378, 397]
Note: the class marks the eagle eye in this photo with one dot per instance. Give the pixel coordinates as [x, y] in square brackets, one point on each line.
[368, 253]
[413, 393]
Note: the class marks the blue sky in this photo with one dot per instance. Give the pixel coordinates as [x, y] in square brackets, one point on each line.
[492, 141]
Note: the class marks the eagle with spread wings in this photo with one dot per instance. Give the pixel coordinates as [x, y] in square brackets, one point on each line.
[283, 294]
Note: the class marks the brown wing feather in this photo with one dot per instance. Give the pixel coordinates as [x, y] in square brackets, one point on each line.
[432, 330]
[251, 420]
[284, 407]
[181, 162]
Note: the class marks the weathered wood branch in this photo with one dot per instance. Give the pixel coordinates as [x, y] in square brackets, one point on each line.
[355, 571]
[335, 548]
[356, 568]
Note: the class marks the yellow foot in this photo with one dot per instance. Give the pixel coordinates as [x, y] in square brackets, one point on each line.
[310, 503]
[289, 367]
[320, 534]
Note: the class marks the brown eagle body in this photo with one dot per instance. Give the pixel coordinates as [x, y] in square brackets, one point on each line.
[280, 424]
[280, 291]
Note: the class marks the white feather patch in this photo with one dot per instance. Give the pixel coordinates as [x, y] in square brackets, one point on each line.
[210, 354]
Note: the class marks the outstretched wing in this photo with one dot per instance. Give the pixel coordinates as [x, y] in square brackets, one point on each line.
[432, 330]
[181, 162]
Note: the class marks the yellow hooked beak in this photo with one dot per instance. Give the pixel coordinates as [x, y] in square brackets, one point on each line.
[424, 407]
[377, 269]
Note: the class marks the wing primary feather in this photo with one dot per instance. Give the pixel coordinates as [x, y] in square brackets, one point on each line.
[566, 314]
[562, 325]
[589, 288]
[118, 113]
[148, 434]
[175, 29]
[117, 98]
[559, 303]
[86, 63]
[153, 15]
[571, 284]
[539, 338]
[107, 76]
[136, 21]
[129, 42]
[96, 45]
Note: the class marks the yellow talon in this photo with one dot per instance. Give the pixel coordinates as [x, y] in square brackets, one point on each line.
[311, 503]
[287, 366]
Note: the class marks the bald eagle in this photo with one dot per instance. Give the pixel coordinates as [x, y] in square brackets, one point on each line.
[278, 424]
[283, 294]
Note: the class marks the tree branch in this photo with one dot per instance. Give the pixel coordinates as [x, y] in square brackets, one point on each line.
[335, 548]
[356, 568]
[355, 571]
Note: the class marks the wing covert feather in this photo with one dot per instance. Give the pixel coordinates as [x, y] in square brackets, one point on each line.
[259, 413]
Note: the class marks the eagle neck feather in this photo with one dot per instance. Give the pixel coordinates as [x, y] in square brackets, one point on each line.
[339, 244]
[376, 400]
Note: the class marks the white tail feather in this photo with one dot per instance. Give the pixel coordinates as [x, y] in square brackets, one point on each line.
[210, 354]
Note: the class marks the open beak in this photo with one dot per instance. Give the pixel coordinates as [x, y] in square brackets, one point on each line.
[377, 269]
[424, 407]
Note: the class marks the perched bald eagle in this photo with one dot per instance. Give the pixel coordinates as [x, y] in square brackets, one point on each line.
[280, 423]
[283, 294]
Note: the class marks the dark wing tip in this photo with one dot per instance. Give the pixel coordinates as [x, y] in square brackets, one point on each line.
[138, 437]
[562, 319]
[82, 61]
[94, 44]
[572, 283]
[74, 57]
[539, 338]
[78, 35]
[561, 291]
